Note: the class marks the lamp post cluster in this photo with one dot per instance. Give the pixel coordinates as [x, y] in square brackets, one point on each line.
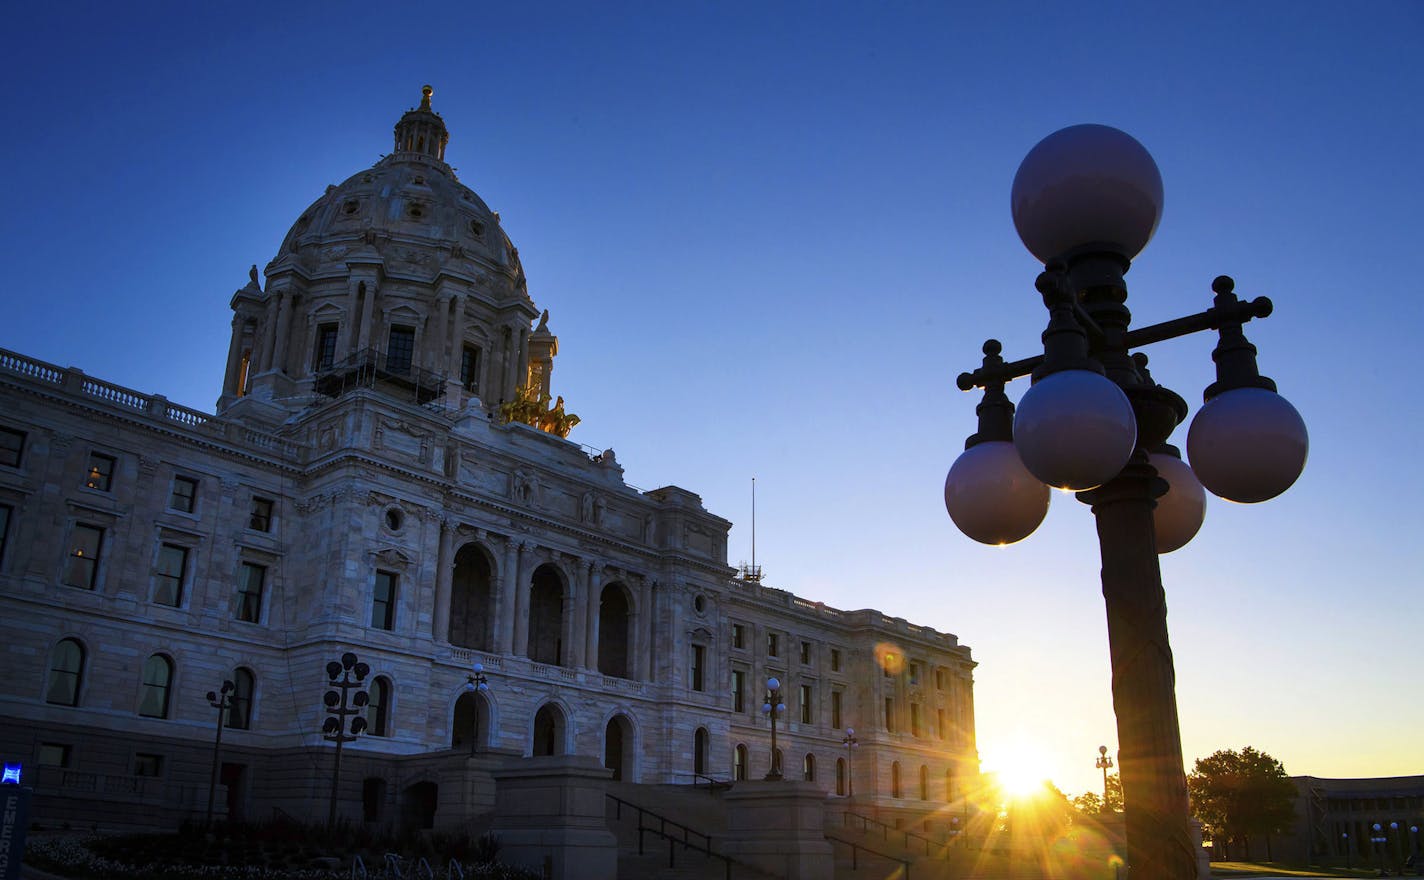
[1104, 763]
[773, 708]
[1085, 201]
[477, 685]
[343, 677]
[220, 700]
[850, 742]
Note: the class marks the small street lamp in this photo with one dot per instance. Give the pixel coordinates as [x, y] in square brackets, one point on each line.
[773, 707]
[1085, 201]
[335, 728]
[1378, 839]
[478, 683]
[1345, 836]
[1393, 830]
[850, 742]
[1418, 865]
[1104, 764]
[221, 701]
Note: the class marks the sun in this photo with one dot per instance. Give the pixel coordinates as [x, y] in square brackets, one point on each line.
[1022, 770]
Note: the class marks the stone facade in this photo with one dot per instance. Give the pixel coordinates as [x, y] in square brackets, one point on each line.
[360, 489]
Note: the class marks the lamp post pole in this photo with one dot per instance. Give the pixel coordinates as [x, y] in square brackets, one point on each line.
[1345, 836]
[478, 684]
[343, 677]
[1085, 201]
[773, 707]
[1393, 830]
[1377, 838]
[221, 701]
[850, 742]
[1414, 835]
[1104, 763]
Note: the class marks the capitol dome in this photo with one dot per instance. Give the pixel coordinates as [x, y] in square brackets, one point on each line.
[401, 273]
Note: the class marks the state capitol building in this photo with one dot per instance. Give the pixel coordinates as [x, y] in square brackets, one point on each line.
[387, 474]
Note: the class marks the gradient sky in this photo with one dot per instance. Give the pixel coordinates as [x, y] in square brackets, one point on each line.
[770, 235]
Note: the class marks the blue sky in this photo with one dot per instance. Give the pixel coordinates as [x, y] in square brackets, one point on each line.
[770, 235]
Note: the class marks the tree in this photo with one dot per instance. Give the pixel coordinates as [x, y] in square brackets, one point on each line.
[1090, 803]
[1240, 794]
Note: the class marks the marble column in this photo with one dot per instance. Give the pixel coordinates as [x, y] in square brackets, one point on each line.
[269, 331]
[594, 579]
[444, 575]
[284, 331]
[578, 615]
[346, 330]
[521, 602]
[508, 578]
[435, 360]
[368, 315]
[646, 615]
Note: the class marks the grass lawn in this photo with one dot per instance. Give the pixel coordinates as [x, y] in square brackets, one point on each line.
[1281, 869]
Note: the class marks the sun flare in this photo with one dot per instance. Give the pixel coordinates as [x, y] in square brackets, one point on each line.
[1021, 769]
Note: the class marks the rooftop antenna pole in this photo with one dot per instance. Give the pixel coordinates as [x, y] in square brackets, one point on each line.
[754, 568]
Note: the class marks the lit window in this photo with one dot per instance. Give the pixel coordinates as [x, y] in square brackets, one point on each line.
[383, 603]
[100, 474]
[239, 713]
[12, 444]
[185, 494]
[157, 676]
[146, 764]
[250, 580]
[401, 350]
[168, 579]
[259, 517]
[81, 567]
[66, 672]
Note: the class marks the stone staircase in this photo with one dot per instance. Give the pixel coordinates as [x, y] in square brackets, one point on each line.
[680, 812]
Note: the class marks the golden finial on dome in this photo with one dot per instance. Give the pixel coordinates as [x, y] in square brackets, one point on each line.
[425, 94]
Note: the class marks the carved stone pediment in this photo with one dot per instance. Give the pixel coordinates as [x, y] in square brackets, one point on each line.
[392, 557]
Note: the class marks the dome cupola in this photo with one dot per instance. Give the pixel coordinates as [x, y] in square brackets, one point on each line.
[422, 130]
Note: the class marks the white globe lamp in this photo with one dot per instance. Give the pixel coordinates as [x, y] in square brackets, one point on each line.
[1247, 445]
[1179, 514]
[1075, 430]
[992, 497]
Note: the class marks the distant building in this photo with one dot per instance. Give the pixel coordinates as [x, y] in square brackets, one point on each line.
[1333, 815]
[387, 474]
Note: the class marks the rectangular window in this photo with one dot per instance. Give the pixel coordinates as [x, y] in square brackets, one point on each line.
[807, 711]
[325, 347]
[939, 723]
[914, 673]
[53, 755]
[939, 678]
[383, 604]
[914, 719]
[739, 636]
[259, 516]
[146, 764]
[12, 444]
[739, 690]
[185, 494]
[81, 566]
[168, 579]
[470, 368]
[401, 351]
[5, 511]
[699, 659]
[836, 709]
[100, 474]
[773, 646]
[250, 580]
[835, 659]
[805, 652]
[889, 714]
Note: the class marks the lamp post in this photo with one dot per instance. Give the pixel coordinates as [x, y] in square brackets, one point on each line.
[1085, 201]
[220, 700]
[1414, 835]
[1378, 839]
[478, 684]
[850, 742]
[773, 707]
[1393, 830]
[1104, 763]
[1345, 836]
[343, 677]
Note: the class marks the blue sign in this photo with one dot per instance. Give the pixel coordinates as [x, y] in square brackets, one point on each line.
[14, 820]
[12, 774]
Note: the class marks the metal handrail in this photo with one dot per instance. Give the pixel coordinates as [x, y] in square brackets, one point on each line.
[673, 841]
[423, 871]
[663, 821]
[358, 869]
[393, 865]
[713, 783]
[854, 860]
[455, 870]
[886, 829]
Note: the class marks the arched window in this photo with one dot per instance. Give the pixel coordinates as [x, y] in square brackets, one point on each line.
[66, 673]
[618, 748]
[613, 611]
[895, 780]
[924, 783]
[548, 731]
[239, 714]
[739, 763]
[546, 616]
[808, 767]
[699, 752]
[157, 676]
[840, 776]
[470, 599]
[378, 708]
